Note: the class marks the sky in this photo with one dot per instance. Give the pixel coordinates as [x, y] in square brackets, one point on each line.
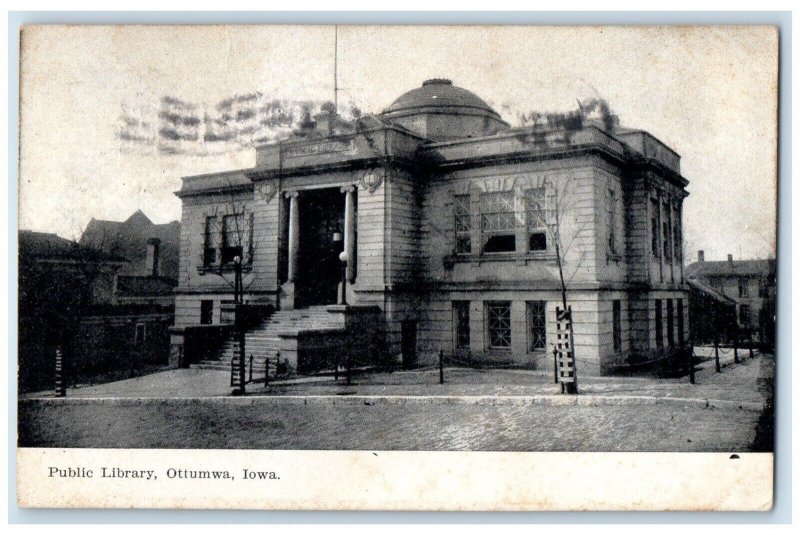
[708, 93]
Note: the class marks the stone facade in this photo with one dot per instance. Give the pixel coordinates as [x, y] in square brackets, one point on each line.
[457, 228]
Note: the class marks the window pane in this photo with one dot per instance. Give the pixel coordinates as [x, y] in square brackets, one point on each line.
[461, 318]
[538, 325]
[499, 322]
[612, 221]
[537, 208]
[501, 244]
[670, 323]
[462, 224]
[538, 241]
[209, 243]
[659, 325]
[617, 325]
[498, 222]
[654, 226]
[463, 244]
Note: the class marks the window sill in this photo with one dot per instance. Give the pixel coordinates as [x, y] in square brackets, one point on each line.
[225, 268]
[522, 258]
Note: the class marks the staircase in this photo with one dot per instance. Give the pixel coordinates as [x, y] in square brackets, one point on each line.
[263, 340]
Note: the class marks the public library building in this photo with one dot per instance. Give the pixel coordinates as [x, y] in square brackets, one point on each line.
[434, 226]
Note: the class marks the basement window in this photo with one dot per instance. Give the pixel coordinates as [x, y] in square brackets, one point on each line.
[499, 324]
[461, 320]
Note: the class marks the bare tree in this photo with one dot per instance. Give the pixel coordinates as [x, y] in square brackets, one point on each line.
[554, 204]
[229, 246]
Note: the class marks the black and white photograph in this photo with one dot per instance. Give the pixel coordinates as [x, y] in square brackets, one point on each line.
[358, 239]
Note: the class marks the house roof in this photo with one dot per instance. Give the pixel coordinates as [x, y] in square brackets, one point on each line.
[709, 291]
[138, 286]
[128, 239]
[725, 268]
[45, 245]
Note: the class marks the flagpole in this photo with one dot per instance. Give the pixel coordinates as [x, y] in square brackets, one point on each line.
[335, 70]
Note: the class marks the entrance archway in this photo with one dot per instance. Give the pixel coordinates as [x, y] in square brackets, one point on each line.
[319, 269]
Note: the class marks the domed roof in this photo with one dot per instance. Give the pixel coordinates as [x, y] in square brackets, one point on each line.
[440, 95]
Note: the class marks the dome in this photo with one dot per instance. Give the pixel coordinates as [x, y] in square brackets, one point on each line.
[439, 93]
[441, 111]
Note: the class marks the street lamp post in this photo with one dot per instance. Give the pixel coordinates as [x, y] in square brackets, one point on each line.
[343, 258]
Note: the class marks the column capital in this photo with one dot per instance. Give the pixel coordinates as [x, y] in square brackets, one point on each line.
[348, 189]
[290, 194]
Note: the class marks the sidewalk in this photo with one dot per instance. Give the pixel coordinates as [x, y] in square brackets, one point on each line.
[738, 384]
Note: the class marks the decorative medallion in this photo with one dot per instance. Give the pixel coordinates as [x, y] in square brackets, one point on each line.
[267, 190]
[371, 180]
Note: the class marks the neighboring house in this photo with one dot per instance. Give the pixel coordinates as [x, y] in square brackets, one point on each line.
[449, 220]
[59, 281]
[712, 314]
[108, 300]
[751, 284]
[133, 328]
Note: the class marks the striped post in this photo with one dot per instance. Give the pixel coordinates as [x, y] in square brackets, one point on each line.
[61, 378]
[441, 367]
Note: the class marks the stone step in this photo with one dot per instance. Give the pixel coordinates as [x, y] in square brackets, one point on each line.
[263, 340]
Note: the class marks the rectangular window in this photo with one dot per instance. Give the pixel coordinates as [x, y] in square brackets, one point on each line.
[659, 325]
[654, 227]
[744, 315]
[141, 333]
[206, 312]
[677, 238]
[497, 222]
[666, 237]
[250, 244]
[498, 315]
[537, 324]
[612, 221]
[616, 307]
[537, 215]
[680, 322]
[463, 224]
[763, 290]
[743, 290]
[670, 323]
[209, 243]
[232, 237]
[461, 320]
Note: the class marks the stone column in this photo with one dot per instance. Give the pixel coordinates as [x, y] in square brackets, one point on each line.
[349, 230]
[294, 235]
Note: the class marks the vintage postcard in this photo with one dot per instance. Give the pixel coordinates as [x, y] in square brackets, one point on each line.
[397, 267]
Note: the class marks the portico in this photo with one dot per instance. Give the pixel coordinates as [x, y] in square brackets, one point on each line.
[316, 218]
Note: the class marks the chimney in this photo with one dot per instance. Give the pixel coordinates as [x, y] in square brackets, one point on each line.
[153, 245]
[730, 259]
[701, 256]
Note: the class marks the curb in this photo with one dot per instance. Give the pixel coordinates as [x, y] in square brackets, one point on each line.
[355, 400]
